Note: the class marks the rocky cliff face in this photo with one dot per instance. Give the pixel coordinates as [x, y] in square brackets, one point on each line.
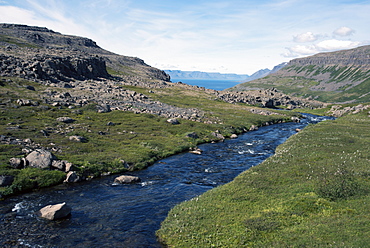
[74, 57]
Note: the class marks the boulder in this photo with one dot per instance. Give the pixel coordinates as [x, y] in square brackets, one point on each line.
[103, 108]
[173, 121]
[18, 163]
[77, 138]
[72, 177]
[40, 158]
[6, 180]
[253, 128]
[196, 151]
[126, 179]
[192, 135]
[233, 136]
[59, 164]
[217, 135]
[54, 212]
[65, 119]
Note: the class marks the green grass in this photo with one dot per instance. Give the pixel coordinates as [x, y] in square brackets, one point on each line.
[16, 41]
[314, 192]
[300, 86]
[137, 139]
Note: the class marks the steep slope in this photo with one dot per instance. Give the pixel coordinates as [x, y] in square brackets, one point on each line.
[342, 76]
[71, 54]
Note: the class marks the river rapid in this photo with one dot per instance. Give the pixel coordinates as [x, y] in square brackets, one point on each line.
[108, 215]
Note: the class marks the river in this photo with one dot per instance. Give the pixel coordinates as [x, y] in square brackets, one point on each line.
[108, 215]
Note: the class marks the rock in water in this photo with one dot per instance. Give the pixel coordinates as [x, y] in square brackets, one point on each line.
[54, 212]
[126, 179]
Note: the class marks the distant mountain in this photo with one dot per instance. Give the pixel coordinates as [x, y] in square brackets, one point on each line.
[341, 76]
[177, 74]
[264, 72]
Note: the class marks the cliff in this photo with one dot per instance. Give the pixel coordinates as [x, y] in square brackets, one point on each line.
[73, 57]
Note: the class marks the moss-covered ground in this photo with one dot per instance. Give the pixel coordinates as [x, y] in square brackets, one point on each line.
[314, 192]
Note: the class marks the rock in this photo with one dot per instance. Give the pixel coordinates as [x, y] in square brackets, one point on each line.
[192, 135]
[295, 119]
[40, 158]
[253, 128]
[218, 135]
[18, 163]
[77, 138]
[104, 108]
[110, 124]
[54, 212]
[233, 136]
[65, 119]
[59, 164]
[69, 167]
[196, 151]
[29, 87]
[72, 177]
[6, 180]
[298, 129]
[126, 179]
[173, 121]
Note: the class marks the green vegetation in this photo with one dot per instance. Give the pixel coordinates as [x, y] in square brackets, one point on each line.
[314, 192]
[301, 86]
[137, 139]
[16, 41]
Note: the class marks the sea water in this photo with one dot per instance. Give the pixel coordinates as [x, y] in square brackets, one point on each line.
[209, 84]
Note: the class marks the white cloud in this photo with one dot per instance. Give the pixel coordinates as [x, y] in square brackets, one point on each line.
[305, 37]
[331, 45]
[344, 31]
[322, 46]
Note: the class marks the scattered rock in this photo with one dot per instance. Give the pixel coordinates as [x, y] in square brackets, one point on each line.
[54, 212]
[110, 124]
[218, 136]
[295, 119]
[233, 136]
[66, 119]
[103, 108]
[298, 129]
[196, 151]
[6, 180]
[77, 138]
[173, 121]
[192, 135]
[18, 163]
[59, 164]
[72, 177]
[126, 179]
[253, 128]
[40, 158]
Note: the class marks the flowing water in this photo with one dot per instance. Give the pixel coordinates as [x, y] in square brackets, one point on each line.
[108, 215]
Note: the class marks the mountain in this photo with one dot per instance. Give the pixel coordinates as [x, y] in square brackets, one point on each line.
[56, 56]
[341, 76]
[177, 74]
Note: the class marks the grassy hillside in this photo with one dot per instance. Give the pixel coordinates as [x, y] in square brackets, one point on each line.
[136, 139]
[341, 76]
[314, 192]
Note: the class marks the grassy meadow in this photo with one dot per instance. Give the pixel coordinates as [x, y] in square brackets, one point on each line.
[137, 139]
[314, 192]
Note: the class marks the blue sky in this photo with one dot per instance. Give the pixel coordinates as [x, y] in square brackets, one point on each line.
[232, 36]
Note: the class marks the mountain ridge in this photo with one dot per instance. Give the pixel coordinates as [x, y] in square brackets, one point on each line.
[200, 75]
[341, 76]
